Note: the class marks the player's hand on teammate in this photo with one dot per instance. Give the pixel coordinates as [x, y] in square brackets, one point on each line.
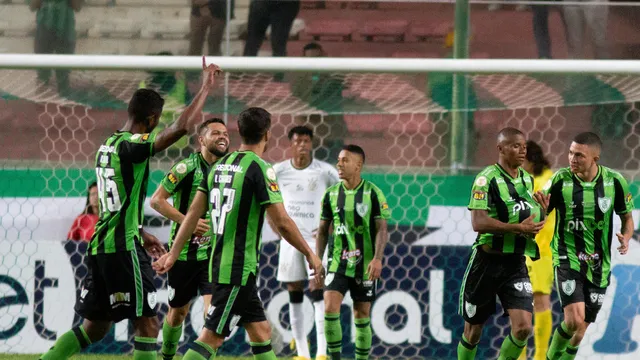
[315, 265]
[528, 226]
[202, 227]
[154, 247]
[542, 199]
[164, 263]
[374, 269]
[209, 73]
[624, 244]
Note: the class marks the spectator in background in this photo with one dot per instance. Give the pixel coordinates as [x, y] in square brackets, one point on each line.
[541, 30]
[280, 14]
[208, 15]
[55, 34]
[595, 17]
[84, 225]
[323, 92]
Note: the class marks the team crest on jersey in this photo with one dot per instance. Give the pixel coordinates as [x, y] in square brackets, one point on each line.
[470, 309]
[135, 137]
[604, 203]
[362, 209]
[568, 287]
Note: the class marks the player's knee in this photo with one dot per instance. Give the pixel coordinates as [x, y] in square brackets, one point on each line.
[574, 321]
[361, 310]
[96, 330]
[472, 333]
[316, 295]
[296, 297]
[147, 327]
[522, 332]
[176, 316]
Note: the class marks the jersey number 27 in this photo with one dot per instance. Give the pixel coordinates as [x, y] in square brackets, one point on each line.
[221, 205]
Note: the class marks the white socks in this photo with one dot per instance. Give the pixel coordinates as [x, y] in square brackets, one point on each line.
[296, 318]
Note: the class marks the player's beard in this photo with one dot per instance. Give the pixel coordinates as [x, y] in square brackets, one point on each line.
[214, 150]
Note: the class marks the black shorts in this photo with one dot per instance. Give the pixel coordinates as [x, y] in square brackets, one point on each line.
[573, 288]
[186, 280]
[118, 286]
[361, 290]
[489, 275]
[233, 305]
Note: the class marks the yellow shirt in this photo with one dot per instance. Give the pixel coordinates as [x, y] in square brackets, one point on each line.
[546, 234]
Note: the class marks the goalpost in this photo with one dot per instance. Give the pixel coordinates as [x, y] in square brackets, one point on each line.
[399, 110]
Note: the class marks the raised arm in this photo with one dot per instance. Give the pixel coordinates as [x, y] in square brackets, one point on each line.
[191, 114]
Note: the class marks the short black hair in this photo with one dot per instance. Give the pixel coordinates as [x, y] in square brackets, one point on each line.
[352, 148]
[312, 46]
[536, 157]
[208, 122]
[300, 131]
[253, 123]
[509, 132]
[143, 104]
[588, 138]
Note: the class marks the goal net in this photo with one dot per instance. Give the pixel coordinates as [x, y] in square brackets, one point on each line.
[407, 127]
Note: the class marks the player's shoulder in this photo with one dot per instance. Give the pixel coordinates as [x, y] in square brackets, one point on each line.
[610, 174]
[562, 175]
[187, 164]
[134, 138]
[370, 186]
[333, 189]
[487, 174]
[281, 166]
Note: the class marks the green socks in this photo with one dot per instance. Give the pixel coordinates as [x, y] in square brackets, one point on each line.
[170, 339]
[263, 351]
[68, 344]
[200, 351]
[466, 350]
[144, 348]
[570, 353]
[559, 342]
[333, 333]
[363, 338]
[511, 348]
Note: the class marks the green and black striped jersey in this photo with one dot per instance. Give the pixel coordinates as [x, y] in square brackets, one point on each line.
[353, 213]
[509, 200]
[182, 182]
[122, 172]
[584, 220]
[238, 187]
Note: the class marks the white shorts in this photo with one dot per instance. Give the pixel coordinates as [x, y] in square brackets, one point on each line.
[292, 265]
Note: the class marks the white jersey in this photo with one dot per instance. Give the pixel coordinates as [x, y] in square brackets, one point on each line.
[302, 191]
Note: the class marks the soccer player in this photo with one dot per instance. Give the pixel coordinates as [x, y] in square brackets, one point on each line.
[303, 181]
[239, 189]
[190, 275]
[540, 271]
[505, 216]
[585, 195]
[359, 212]
[119, 282]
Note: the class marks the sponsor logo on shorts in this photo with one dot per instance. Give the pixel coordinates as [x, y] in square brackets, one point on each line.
[234, 322]
[367, 283]
[83, 293]
[596, 298]
[329, 279]
[523, 285]
[152, 299]
[211, 310]
[568, 287]
[470, 309]
[119, 298]
[172, 292]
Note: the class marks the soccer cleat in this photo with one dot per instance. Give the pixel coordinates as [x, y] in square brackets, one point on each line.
[292, 344]
[322, 357]
[300, 358]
